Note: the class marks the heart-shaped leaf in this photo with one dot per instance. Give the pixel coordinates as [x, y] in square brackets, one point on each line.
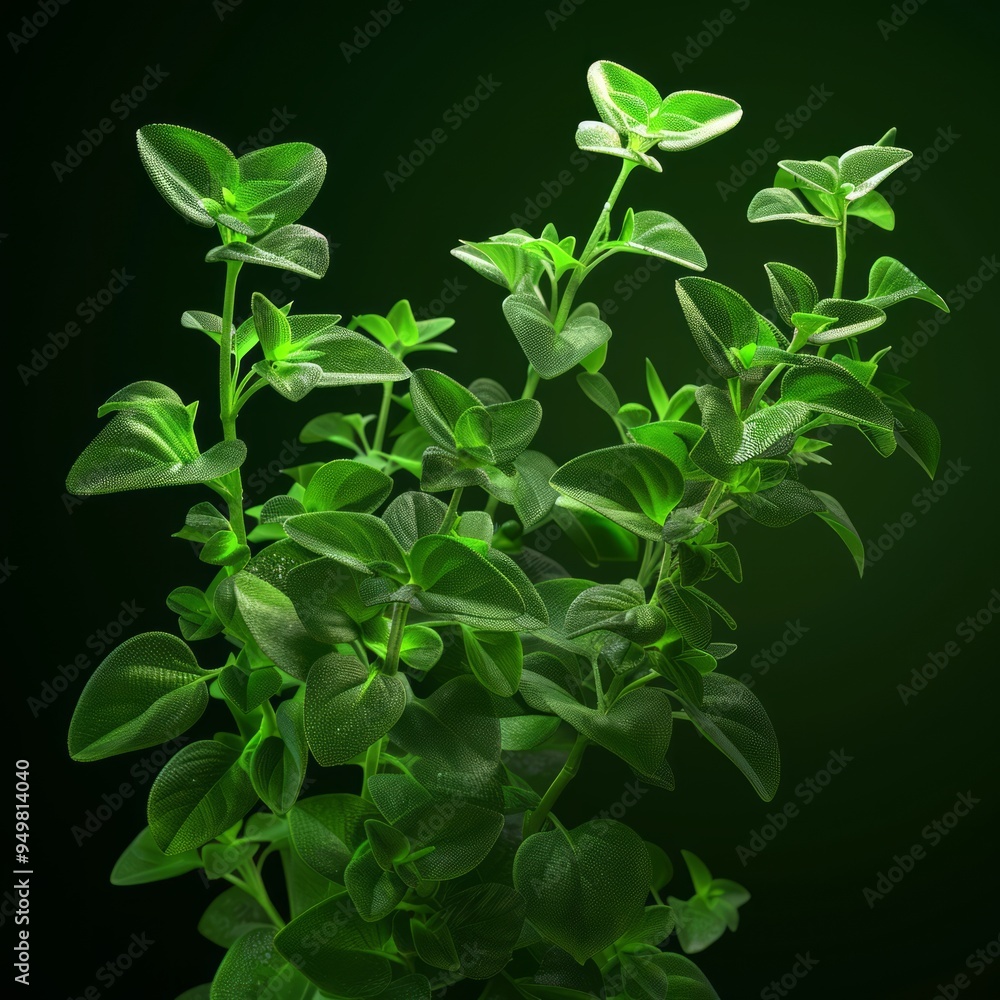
[348, 707]
[583, 888]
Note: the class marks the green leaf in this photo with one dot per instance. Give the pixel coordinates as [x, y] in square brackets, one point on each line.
[688, 118]
[292, 248]
[890, 282]
[254, 970]
[631, 484]
[328, 829]
[599, 137]
[362, 542]
[835, 391]
[837, 518]
[780, 505]
[657, 234]
[853, 318]
[485, 923]
[149, 443]
[271, 619]
[776, 203]
[793, 290]
[278, 765]
[346, 430]
[146, 691]
[549, 352]
[875, 209]
[813, 174]
[230, 916]
[599, 390]
[482, 588]
[495, 658]
[583, 888]
[657, 394]
[438, 404]
[374, 892]
[278, 183]
[502, 259]
[412, 515]
[719, 318]
[865, 167]
[734, 721]
[201, 792]
[273, 329]
[919, 437]
[187, 167]
[344, 484]
[637, 727]
[348, 707]
[143, 861]
[248, 689]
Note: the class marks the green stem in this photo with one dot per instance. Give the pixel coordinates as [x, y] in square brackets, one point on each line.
[838, 281]
[227, 411]
[761, 389]
[451, 514]
[383, 417]
[395, 644]
[491, 506]
[576, 279]
[561, 780]
[253, 885]
[530, 384]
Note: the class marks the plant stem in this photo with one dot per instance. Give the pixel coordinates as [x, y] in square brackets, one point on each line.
[561, 780]
[383, 417]
[762, 388]
[227, 411]
[253, 885]
[451, 514]
[530, 384]
[395, 644]
[578, 275]
[841, 234]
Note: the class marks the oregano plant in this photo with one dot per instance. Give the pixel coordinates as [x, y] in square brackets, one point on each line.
[386, 615]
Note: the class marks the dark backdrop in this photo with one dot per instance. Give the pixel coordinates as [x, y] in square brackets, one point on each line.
[840, 647]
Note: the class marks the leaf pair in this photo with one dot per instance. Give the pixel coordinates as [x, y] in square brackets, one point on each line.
[836, 186]
[634, 117]
[302, 353]
[704, 918]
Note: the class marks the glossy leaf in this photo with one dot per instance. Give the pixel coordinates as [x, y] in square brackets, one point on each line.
[837, 518]
[348, 707]
[328, 829]
[146, 691]
[633, 485]
[278, 765]
[150, 442]
[230, 916]
[890, 282]
[865, 167]
[143, 861]
[294, 248]
[253, 969]
[776, 203]
[201, 792]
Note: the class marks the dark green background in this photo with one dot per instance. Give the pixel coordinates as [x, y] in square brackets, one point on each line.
[835, 690]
